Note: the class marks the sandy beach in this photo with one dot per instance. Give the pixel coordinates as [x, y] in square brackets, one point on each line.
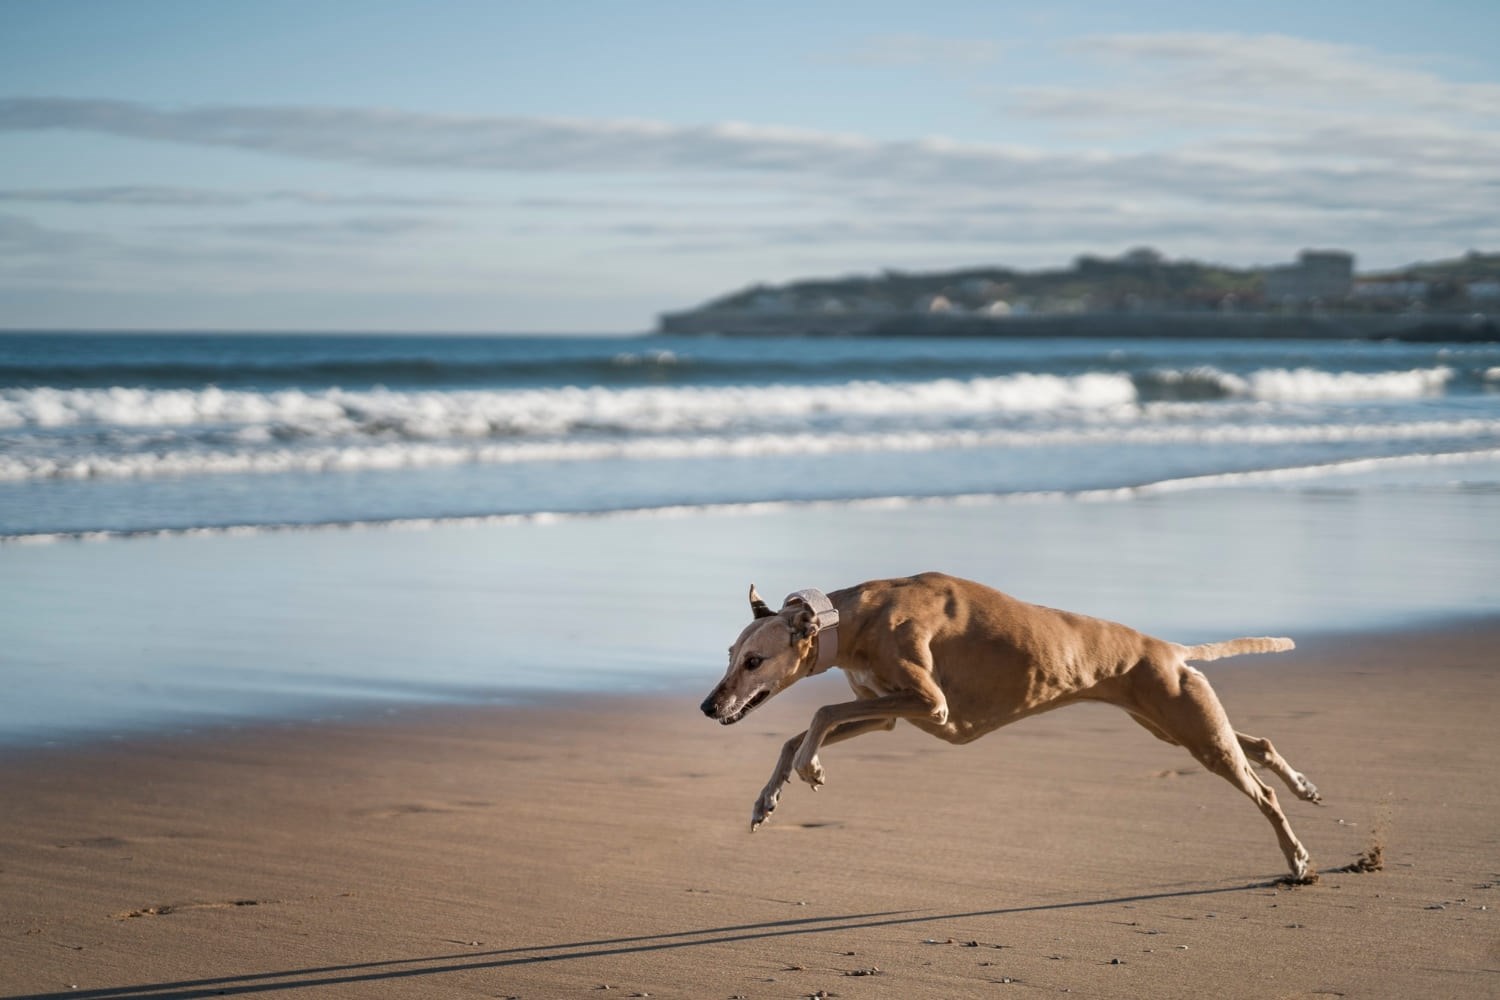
[399, 401]
[600, 846]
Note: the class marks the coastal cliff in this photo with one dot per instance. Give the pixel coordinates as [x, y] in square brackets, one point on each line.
[1140, 294]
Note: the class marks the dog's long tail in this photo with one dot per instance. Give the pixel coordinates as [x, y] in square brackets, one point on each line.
[1236, 647]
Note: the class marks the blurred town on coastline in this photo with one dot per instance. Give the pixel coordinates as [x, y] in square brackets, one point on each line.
[1139, 293]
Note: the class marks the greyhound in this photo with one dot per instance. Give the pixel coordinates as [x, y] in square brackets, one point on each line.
[958, 659]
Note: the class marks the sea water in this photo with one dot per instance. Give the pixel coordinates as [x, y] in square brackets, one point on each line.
[592, 509]
[134, 433]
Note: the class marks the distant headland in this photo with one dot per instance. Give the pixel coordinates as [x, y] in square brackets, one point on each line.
[1138, 294]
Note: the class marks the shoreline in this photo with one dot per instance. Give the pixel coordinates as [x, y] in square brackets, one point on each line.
[372, 715]
[556, 850]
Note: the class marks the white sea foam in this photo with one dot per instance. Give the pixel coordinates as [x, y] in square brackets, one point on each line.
[1213, 481]
[1309, 384]
[1312, 384]
[475, 413]
[435, 415]
[1352, 466]
[132, 407]
[418, 455]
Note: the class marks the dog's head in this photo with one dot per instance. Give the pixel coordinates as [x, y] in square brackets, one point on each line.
[774, 650]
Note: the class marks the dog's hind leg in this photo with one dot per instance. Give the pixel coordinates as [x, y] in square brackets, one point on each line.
[1153, 729]
[1263, 753]
[1178, 700]
[1237, 771]
[1260, 751]
[765, 805]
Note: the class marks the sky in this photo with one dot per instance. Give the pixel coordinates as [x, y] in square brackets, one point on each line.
[583, 167]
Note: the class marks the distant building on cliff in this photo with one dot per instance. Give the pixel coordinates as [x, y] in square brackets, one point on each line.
[1325, 276]
[1391, 292]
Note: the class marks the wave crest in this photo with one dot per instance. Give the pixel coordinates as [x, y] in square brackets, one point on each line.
[1311, 384]
[417, 454]
[1301, 385]
[494, 413]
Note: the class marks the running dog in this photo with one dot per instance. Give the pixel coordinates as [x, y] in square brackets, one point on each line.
[958, 660]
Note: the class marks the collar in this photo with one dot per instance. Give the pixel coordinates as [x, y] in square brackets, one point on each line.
[827, 618]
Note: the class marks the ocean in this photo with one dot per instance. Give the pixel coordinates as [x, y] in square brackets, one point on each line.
[214, 529]
[129, 434]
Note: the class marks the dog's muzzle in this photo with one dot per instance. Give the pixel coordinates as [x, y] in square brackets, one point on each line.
[711, 708]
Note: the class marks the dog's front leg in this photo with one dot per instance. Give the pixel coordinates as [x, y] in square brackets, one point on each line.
[771, 794]
[862, 716]
[765, 805]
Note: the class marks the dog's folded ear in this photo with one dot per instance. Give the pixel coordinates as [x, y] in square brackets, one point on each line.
[804, 622]
[758, 604]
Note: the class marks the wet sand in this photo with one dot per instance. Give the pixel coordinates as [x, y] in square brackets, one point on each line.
[601, 847]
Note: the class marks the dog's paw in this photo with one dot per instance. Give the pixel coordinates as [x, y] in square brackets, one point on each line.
[764, 807]
[1308, 791]
[812, 773]
[1303, 873]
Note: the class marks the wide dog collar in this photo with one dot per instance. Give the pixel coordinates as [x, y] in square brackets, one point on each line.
[827, 617]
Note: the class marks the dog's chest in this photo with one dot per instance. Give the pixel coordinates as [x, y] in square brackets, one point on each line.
[863, 681]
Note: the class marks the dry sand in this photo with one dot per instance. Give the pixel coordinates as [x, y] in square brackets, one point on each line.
[598, 846]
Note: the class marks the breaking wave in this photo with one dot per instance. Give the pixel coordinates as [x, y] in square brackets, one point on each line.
[417, 455]
[491, 413]
[433, 415]
[1296, 384]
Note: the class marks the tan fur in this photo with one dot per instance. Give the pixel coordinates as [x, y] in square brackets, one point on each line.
[1236, 647]
[957, 659]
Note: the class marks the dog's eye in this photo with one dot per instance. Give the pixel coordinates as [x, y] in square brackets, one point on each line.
[753, 662]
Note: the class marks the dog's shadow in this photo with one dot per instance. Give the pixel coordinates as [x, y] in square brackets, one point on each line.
[435, 965]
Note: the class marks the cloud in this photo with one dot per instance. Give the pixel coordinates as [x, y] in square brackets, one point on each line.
[385, 138]
[1290, 170]
[361, 229]
[22, 238]
[561, 146]
[158, 196]
[126, 195]
[358, 251]
[1245, 69]
[1226, 146]
[1233, 81]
